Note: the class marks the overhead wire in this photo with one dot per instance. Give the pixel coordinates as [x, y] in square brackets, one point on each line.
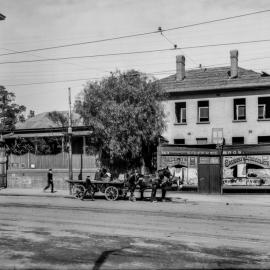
[135, 52]
[138, 34]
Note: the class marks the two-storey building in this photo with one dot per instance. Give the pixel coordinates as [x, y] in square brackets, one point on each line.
[208, 106]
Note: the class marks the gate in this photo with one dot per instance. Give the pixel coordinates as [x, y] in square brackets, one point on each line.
[209, 175]
[3, 166]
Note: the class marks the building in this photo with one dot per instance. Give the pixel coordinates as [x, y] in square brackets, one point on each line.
[222, 105]
[27, 168]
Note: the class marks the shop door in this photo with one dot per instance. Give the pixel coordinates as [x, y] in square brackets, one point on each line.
[209, 178]
[204, 178]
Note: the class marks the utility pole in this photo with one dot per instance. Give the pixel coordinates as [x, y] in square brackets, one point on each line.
[70, 173]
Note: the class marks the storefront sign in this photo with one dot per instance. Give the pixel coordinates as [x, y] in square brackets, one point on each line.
[231, 161]
[190, 153]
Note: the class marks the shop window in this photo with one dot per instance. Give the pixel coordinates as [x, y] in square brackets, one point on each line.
[203, 111]
[237, 140]
[239, 109]
[201, 140]
[181, 112]
[263, 139]
[264, 108]
[179, 141]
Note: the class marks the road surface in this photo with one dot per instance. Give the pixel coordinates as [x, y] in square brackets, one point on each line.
[65, 233]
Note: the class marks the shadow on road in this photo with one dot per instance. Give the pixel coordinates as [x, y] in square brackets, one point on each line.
[103, 257]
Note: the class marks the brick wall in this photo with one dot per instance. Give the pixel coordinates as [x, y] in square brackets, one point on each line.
[221, 116]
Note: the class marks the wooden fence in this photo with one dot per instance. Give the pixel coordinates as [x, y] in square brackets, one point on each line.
[59, 161]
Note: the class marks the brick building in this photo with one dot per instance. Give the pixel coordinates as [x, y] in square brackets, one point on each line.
[205, 106]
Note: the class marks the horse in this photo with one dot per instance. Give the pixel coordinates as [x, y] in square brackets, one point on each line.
[134, 180]
[163, 180]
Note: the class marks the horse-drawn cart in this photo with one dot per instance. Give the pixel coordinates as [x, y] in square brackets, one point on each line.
[112, 190]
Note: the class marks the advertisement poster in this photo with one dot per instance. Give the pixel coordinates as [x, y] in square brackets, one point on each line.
[246, 170]
[185, 167]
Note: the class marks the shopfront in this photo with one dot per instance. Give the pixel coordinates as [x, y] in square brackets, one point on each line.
[247, 167]
[198, 168]
[210, 170]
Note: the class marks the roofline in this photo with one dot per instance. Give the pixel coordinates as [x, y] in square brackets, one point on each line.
[254, 86]
[46, 130]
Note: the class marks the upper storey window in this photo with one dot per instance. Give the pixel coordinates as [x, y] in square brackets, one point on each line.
[239, 109]
[181, 112]
[203, 111]
[264, 108]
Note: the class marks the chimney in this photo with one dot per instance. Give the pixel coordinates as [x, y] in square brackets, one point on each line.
[234, 63]
[180, 67]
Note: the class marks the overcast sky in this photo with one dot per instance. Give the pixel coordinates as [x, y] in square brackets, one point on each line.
[32, 24]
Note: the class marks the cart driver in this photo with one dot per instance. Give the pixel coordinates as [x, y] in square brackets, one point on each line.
[89, 188]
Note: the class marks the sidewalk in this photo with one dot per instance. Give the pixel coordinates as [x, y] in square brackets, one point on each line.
[259, 199]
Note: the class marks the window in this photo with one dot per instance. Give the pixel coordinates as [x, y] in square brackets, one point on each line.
[203, 111]
[261, 111]
[239, 109]
[179, 141]
[264, 108]
[180, 112]
[217, 135]
[263, 139]
[237, 140]
[201, 140]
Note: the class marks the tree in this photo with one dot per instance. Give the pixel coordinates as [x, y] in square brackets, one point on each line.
[58, 118]
[126, 115]
[10, 111]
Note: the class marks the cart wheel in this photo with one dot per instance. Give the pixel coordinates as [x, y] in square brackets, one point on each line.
[78, 191]
[111, 193]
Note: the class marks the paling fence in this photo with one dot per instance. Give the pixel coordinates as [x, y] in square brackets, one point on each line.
[59, 161]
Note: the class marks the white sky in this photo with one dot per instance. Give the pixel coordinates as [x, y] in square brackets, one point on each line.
[34, 24]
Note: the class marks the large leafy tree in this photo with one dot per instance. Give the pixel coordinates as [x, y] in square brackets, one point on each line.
[10, 112]
[126, 115]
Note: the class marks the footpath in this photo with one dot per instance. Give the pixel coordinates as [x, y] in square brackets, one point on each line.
[258, 199]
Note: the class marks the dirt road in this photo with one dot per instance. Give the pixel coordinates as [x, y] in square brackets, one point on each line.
[64, 233]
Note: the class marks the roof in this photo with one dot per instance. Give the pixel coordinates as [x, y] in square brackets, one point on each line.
[43, 120]
[214, 79]
[46, 134]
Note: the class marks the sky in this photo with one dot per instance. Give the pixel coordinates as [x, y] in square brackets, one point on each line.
[32, 24]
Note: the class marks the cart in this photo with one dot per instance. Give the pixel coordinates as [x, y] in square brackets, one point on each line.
[112, 190]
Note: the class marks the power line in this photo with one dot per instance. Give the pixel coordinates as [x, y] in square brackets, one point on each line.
[135, 52]
[138, 34]
[165, 72]
[216, 20]
[84, 79]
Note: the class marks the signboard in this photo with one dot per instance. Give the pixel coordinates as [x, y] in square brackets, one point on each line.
[240, 170]
[188, 167]
[231, 161]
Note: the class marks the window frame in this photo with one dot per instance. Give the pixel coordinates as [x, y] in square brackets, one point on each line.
[181, 116]
[237, 112]
[199, 114]
[264, 111]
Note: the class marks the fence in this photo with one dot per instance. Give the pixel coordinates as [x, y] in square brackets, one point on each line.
[59, 161]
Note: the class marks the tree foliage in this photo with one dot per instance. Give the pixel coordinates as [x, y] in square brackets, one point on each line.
[59, 118]
[126, 115]
[10, 112]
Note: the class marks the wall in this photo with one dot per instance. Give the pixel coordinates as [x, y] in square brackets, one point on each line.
[221, 116]
[37, 178]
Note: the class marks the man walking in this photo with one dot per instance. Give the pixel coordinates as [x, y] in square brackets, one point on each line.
[50, 180]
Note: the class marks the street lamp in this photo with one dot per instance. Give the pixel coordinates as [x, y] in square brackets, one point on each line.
[2, 17]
